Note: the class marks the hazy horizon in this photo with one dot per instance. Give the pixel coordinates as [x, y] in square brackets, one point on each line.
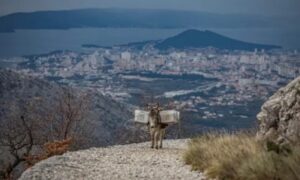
[255, 7]
[267, 22]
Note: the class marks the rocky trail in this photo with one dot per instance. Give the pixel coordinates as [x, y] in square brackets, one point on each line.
[121, 162]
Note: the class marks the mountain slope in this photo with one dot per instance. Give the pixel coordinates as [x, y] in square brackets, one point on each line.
[202, 39]
[133, 161]
[109, 121]
[116, 18]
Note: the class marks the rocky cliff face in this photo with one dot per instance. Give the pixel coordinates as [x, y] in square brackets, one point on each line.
[279, 119]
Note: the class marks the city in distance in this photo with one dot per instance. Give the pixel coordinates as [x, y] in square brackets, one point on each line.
[216, 81]
[97, 86]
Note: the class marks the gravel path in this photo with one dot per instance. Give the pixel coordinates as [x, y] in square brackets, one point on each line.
[133, 161]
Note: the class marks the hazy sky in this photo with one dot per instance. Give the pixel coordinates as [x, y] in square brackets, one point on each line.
[266, 7]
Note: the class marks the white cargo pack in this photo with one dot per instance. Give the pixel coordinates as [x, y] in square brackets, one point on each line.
[167, 116]
[141, 116]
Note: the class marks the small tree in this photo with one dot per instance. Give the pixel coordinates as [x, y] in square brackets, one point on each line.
[17, 137]
[41, 128]
[67, 118]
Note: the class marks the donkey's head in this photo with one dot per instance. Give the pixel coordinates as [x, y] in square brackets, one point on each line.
[154, 117]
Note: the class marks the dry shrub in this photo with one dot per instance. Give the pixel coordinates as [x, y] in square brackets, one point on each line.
[240, 156]
[50, 149]
[271, 165]
[57, 147]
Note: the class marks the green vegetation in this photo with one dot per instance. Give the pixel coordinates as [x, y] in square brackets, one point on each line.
[240, 156]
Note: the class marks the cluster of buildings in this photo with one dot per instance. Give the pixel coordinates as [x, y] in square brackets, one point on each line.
[241, 75]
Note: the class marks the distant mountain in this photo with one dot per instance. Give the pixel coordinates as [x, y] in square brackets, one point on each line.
[126, 18]
[202, 39]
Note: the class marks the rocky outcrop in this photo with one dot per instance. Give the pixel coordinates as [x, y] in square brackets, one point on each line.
[133, 161]
[279, 119]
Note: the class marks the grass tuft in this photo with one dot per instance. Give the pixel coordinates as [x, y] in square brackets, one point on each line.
[240, 156]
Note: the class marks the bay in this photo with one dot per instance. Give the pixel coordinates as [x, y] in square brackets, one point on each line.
[28, 42]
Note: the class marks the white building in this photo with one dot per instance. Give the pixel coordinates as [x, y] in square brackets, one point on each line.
[126, 55]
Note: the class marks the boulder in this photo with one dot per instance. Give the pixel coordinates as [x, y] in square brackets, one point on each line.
[279, 119]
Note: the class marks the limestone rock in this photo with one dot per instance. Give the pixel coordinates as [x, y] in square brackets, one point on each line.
[279, 119]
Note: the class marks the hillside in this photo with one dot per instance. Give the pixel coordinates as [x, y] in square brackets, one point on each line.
[108, 120]
[126, 18]
[202, 39]
[133, 161]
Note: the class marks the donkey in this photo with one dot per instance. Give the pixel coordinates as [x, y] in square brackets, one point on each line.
[156, 127]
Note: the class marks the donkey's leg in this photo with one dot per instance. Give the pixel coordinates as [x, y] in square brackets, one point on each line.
[161, 137]
[152, 137]
[156, 138]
